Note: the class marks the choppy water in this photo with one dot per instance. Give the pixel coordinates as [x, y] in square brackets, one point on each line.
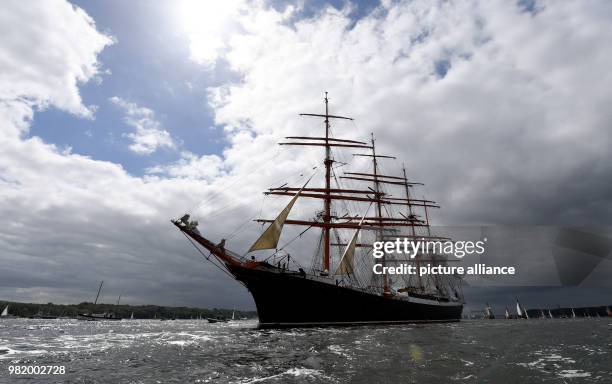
[146, 351]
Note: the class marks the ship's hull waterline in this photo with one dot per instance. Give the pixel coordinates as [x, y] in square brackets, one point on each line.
[289, 299]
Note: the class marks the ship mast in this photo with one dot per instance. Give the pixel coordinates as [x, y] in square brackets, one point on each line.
[411, 215]
[379, 209]
[328, 162]
[376, 181]
[327, 201]
[98, 295]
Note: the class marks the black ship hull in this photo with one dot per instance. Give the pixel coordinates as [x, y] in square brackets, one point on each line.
[291, 299]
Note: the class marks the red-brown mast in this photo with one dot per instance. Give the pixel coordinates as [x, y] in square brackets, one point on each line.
[328, 142]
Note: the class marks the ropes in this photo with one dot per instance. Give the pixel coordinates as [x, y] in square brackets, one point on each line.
[224, 270]
[237, 179]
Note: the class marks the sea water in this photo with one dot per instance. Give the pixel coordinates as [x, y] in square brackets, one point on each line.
[194, 351]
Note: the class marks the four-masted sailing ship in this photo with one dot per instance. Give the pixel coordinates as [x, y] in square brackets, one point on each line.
[340, 288]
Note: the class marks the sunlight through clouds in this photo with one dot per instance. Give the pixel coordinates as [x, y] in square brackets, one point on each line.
[208, 24]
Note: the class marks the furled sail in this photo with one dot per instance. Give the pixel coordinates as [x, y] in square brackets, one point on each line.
[346, 262]
[269, 239]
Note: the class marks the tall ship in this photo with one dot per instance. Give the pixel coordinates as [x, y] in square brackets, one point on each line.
[339, 287]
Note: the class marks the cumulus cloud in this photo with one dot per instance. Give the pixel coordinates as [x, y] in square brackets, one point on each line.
[500, 110]
[68, 220]
[149, 135]
[60, 50]
[211, 25]
[191, 166]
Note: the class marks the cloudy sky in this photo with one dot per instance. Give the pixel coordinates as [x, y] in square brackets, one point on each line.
[116, 117]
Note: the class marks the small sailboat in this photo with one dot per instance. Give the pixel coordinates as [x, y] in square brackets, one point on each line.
[5, 313]
[216, 320]
[519, 310]
[132, 316]
[542, 315]
[99, 316]
[507, 314]
[573, 314]
[526, 313]
[488, 312]
[233, 315]
[550, 314]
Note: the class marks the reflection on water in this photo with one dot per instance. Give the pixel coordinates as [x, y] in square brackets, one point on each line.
[147, 351]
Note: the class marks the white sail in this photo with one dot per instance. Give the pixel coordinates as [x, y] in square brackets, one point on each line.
[488, 312]
[526, 313]
[346, 262]
[233, 315]
[573, 313]
[5, 311]
[507, 314]
[519, 311]
[269, 239]
[550, 314]
[132, 316]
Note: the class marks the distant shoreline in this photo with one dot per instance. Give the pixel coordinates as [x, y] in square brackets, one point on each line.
[21, 309]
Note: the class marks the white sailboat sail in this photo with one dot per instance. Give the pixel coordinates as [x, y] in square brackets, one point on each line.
[269, 239]
[526, 313]
[346, 262]
[132, 316]
[519, 311]
[233, 315]
[5, 311]
[573, 313]
[550, 314]
[507, 314]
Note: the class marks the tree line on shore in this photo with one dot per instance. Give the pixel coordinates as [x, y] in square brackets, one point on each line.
[124, 311]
